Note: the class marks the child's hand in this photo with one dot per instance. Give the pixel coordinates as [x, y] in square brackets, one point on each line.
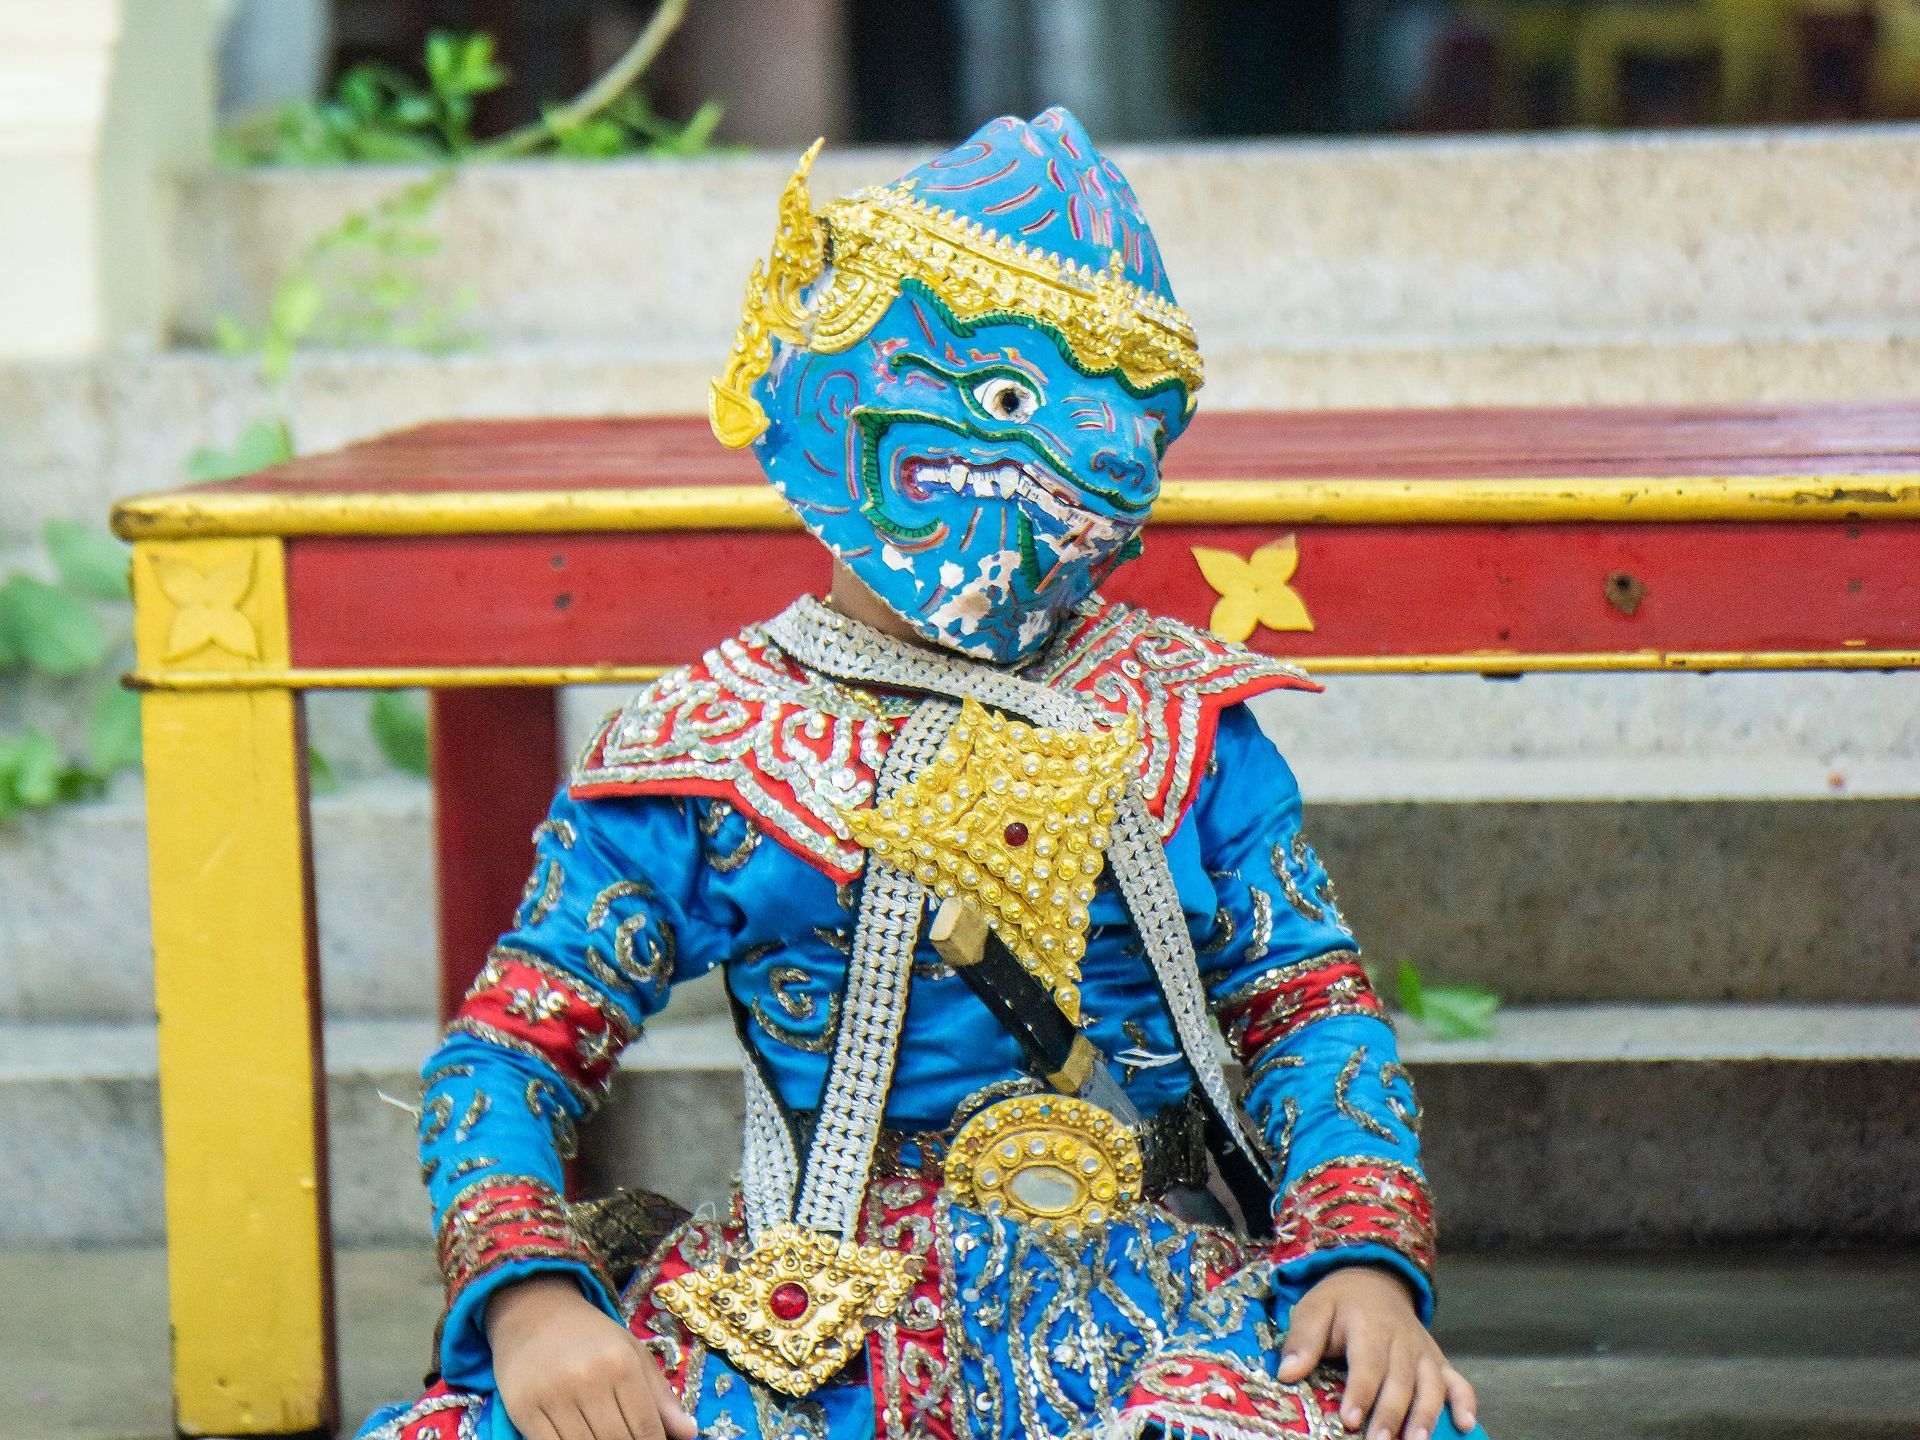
[567, 1372]
[1394, 1368]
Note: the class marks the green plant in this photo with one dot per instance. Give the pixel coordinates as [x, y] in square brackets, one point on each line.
[1448, 1012]
[629, 126]
[262, 443]
[358, 283]
[399, 724]
[361, 282]
[68, 629]
[380, 114]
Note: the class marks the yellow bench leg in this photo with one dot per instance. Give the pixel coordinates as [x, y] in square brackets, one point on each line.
[241, 1090]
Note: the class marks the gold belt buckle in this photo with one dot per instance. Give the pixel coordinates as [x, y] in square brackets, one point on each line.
[1055, 1161]
[797, 1306]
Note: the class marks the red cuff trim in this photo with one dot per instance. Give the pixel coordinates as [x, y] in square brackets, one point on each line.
[443, 1413]
[541, 1008]
[503, 1218]
[1277, 1005]
[1189, 1392]
[1356, 1202]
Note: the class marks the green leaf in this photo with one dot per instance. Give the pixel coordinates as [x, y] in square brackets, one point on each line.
[77, 782]
[1447, 1012]
[1459, 1012]
[89, 560]
[414, 111]
[113, 731]
[1407, 989]
[593, 139]
[393, 147]
[230, 337]
[36, 770]
[320, 777]
[297, 302]
[262, 443]
[698, 134]
[399, 725]
[363, 93]
[52, 629]
[479, 72]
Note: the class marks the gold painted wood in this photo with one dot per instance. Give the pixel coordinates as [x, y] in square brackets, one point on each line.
[188, 513]
[1625, 660]
[241, 1105]
[436, 677]
[1255, 590]
[454, 677]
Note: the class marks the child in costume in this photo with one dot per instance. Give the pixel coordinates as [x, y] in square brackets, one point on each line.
[989, 864]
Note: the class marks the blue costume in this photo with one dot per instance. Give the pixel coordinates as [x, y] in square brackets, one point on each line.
[963, 383]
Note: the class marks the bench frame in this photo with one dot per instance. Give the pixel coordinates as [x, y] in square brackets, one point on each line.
[250, 594]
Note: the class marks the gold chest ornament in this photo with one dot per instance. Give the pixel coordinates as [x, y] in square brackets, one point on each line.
[1014, 819]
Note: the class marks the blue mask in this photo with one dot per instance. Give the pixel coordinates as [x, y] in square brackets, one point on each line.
[980, 455]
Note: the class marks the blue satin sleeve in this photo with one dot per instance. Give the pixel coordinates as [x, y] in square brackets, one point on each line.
[616, 912]
[1324, 1082]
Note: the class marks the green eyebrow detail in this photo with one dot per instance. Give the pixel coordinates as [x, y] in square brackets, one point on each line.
[967, 381]
[965, 328]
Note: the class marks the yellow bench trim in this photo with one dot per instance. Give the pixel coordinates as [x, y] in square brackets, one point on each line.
[1332, 501]
[1468, 663]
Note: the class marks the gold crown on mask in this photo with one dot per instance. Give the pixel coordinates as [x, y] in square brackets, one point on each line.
[879, 238]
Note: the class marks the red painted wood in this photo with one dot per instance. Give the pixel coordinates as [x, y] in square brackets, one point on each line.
[568, 599]
[1372, 590]
[496, 762]
[1544, 589]
[533, 455]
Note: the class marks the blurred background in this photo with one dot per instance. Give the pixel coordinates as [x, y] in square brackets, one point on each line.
[236, 230]
[901, 70]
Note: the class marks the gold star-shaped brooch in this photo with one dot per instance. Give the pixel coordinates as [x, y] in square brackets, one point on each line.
[793, 1312]
[1014, 817]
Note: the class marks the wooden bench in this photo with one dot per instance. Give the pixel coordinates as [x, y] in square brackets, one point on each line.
[494, 562]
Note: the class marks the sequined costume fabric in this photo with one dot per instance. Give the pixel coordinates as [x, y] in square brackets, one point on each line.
[962, 383]
[679, 847]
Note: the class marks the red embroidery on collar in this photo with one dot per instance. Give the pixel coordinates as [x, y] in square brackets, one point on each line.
[791, 749]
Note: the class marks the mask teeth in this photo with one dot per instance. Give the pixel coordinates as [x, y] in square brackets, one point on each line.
[1010, 480]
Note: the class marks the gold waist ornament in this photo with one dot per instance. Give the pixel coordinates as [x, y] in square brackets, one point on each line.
[1054, 1161]
[882, 238]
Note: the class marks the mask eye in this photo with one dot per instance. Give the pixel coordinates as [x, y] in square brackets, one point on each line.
[1006, 399]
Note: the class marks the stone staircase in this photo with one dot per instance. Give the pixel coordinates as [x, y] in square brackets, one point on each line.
[1695, 893]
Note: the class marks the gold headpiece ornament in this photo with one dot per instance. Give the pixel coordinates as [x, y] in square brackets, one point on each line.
[880, 237]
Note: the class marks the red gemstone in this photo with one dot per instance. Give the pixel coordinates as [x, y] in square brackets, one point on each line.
[789, 1301]
[1015, 834]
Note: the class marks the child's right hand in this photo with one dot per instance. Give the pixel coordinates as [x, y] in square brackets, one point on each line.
[567, 1372]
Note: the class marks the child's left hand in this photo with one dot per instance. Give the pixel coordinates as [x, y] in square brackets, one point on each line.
[1394, 1368]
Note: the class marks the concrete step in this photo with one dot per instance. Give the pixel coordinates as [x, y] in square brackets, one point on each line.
[1421, 245]
[1635, 1126]
[1542, 901]
[1688, 1346]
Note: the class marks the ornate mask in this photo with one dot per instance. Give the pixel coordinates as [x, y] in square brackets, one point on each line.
[963, 382]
